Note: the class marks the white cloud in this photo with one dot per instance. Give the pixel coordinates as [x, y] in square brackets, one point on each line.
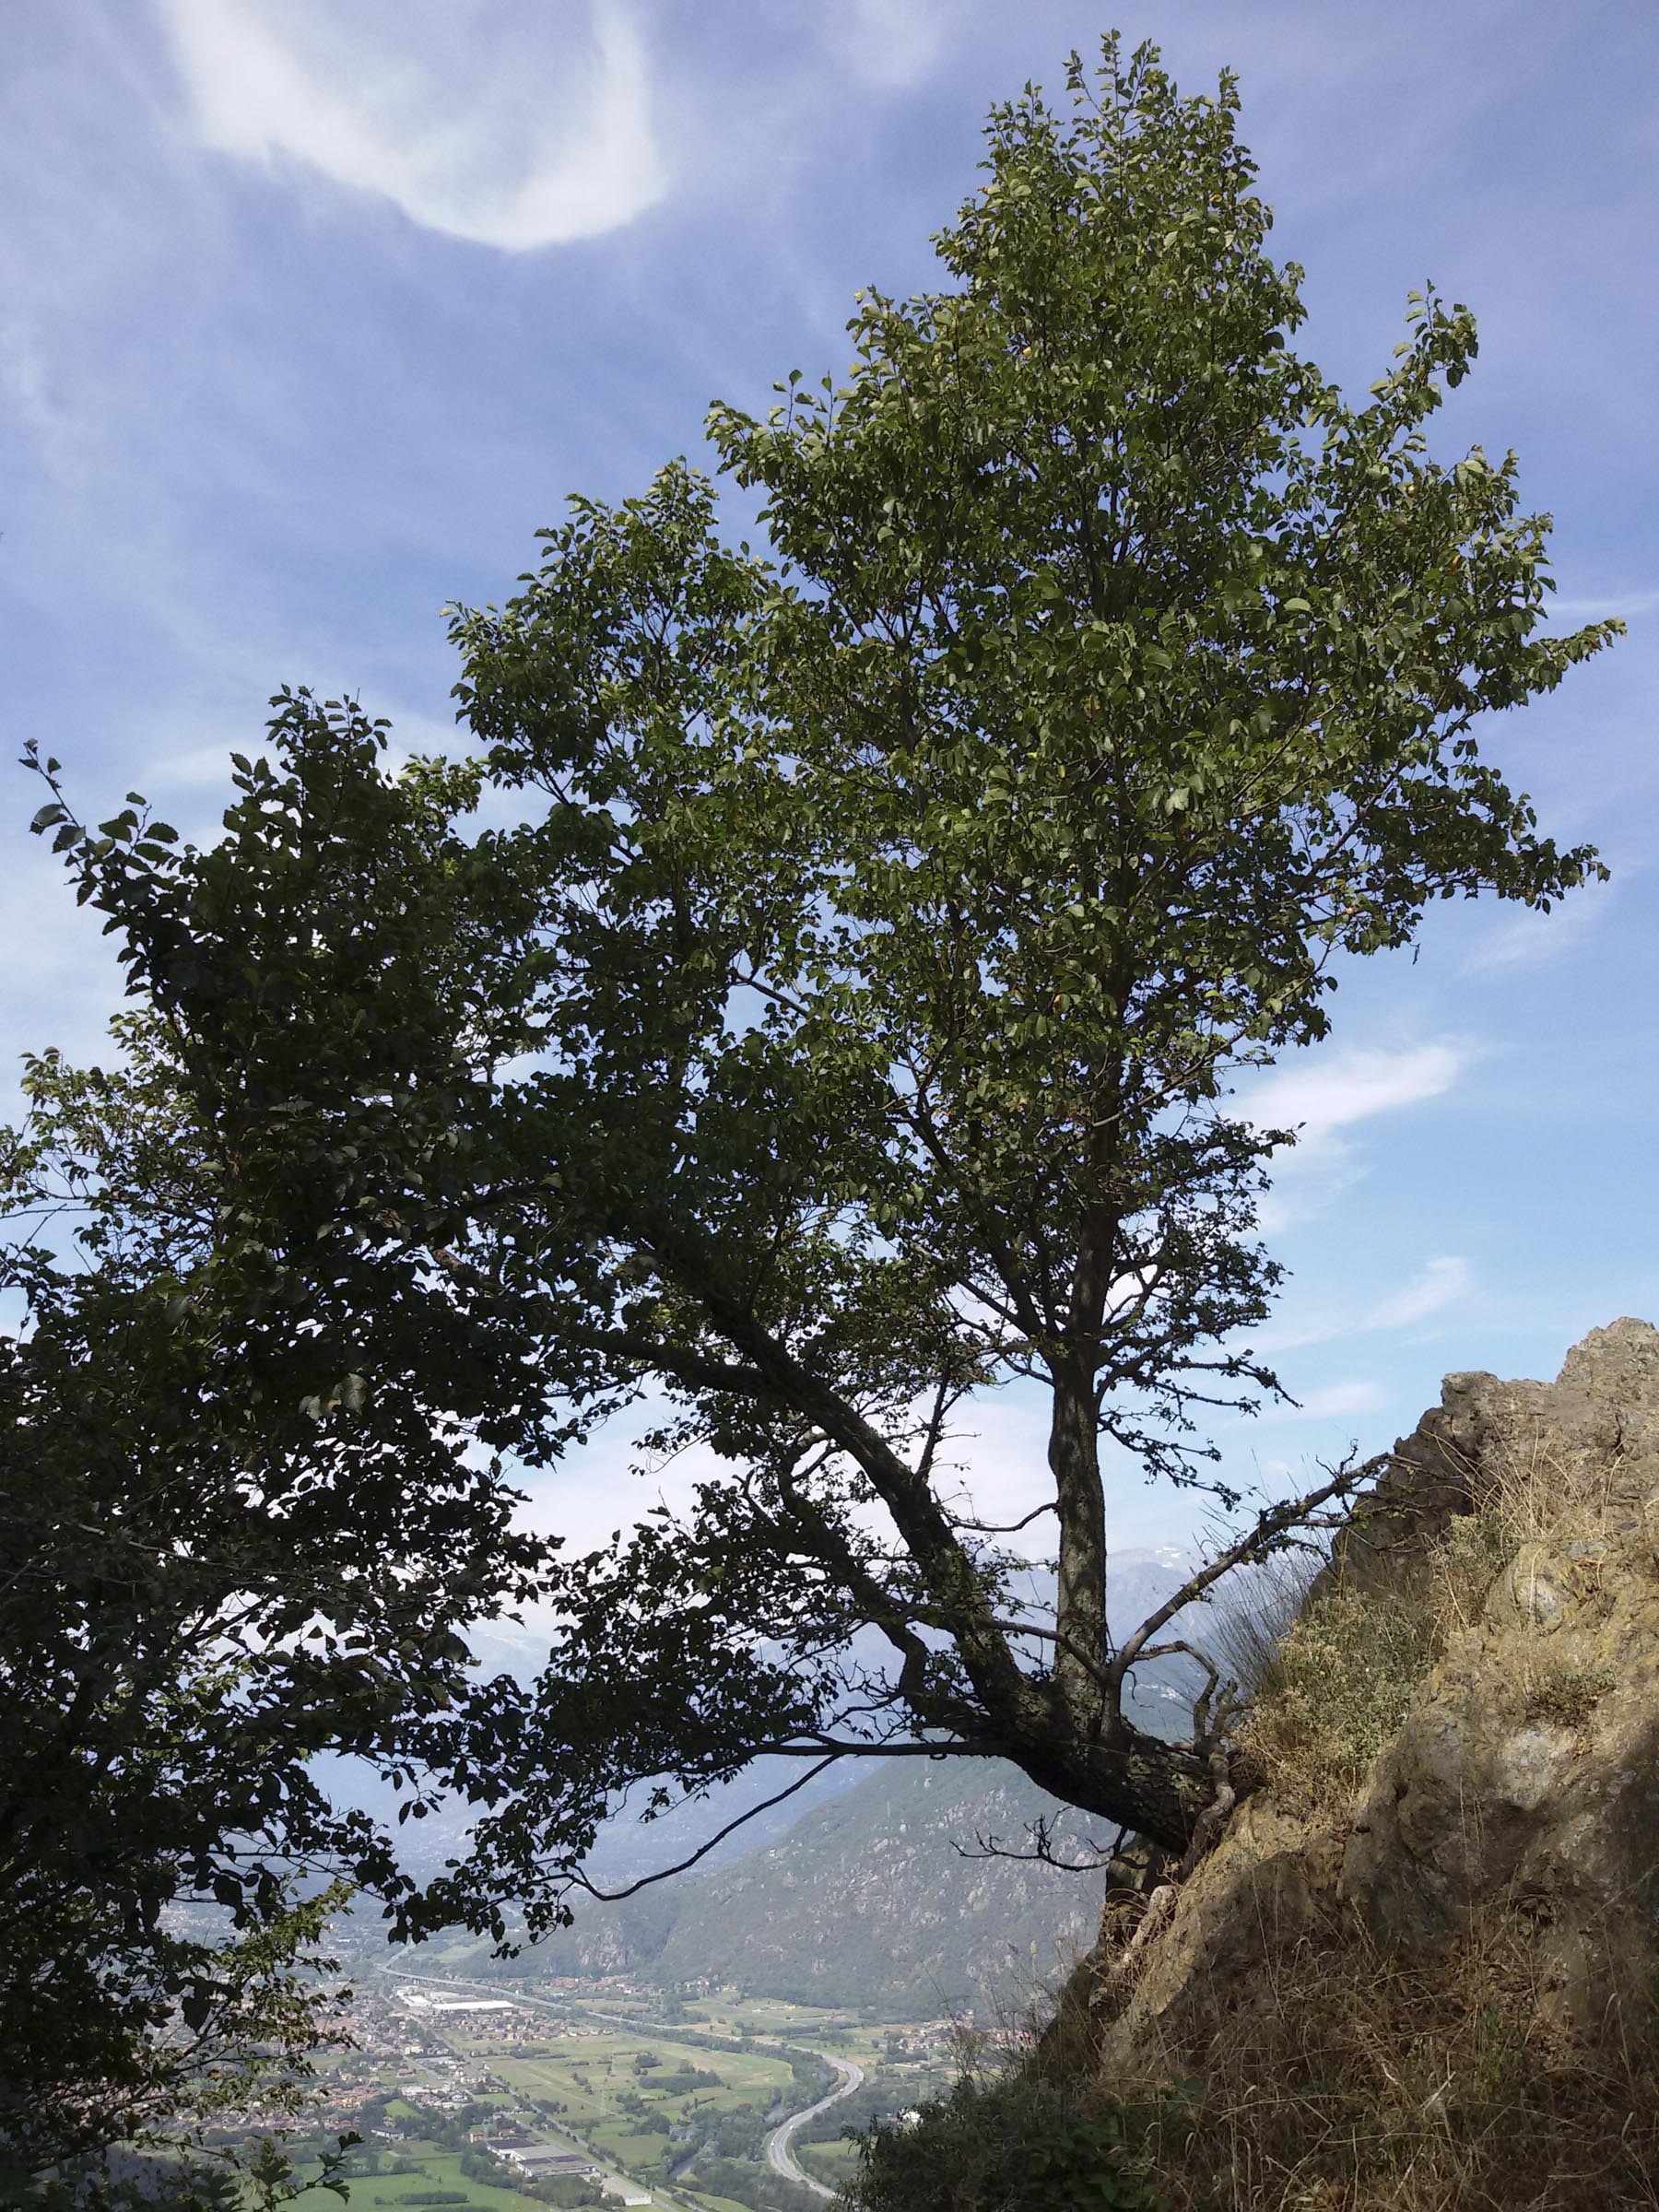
[1329, 1094]
[1336, 1402]
[1593, 608]
[1439, 1284]
[480, 121]
[1523, 938]
[1321, 1096]
[889, 43]
[1436, 1284]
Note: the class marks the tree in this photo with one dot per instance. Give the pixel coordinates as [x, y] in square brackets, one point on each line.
[889, 915]
[224, 1551]
[119, 2022]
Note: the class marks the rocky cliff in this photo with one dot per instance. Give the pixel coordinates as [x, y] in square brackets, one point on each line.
[1427, 1976]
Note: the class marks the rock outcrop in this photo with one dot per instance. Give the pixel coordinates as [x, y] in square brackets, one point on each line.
[1518, 1794]
[1528, 1769]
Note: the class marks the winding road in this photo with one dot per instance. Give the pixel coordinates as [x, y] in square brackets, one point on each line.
[778, 2156]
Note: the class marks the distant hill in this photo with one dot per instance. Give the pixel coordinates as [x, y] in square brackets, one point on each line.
[867, 1898]
[857, 1892]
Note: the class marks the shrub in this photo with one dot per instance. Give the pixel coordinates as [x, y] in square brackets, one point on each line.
[1011, 2144]
[566, 2191]
[1566, 1694]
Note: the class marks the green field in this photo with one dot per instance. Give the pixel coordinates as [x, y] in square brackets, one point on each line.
[586, 2075]
[572, 2073]
[441, 2170]
[832, 2162]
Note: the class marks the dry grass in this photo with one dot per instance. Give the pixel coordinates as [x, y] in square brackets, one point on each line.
[1328, 1684]
[1530, 1493]
[1256, 1609]
[1336, 1695]
[1343, 2080]
[1365, 2085]
[1565, 1694]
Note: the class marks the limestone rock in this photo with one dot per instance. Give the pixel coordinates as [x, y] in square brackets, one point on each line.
[1265, 1885]
[1525, 1777]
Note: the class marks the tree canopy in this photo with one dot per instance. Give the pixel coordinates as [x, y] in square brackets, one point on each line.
[225, 1552]
[845, 1018]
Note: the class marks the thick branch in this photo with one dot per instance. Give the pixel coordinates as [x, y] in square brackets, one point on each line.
[922, 1522]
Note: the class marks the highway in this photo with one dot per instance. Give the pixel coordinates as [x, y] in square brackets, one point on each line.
[778, 2156]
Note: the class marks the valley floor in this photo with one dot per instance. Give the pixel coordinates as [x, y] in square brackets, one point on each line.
[721, 2103]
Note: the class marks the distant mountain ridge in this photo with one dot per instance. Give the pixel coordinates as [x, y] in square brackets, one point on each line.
[876, 1895]
[869, 1899]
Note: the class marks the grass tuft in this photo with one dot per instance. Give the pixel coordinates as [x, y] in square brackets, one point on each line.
[1334, 1695]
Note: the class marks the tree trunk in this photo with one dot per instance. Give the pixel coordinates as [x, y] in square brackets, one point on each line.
[1137, 1781]
[1080, 1603]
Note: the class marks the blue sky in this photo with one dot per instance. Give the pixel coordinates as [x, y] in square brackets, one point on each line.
[311, 313]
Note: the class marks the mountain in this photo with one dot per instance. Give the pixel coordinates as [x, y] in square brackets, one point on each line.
[879, 1898]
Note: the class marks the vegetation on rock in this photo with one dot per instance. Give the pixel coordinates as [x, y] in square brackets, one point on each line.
[1421, 1968]
[1009, 2144]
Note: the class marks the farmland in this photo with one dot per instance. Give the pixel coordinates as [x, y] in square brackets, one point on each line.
[445, 2084]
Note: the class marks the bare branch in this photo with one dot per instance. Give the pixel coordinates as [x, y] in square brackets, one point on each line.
[943, 1398]
[1042, 1832]
[1273, 1525]
[1202, 1730]
[614, 1896]
[1009, 1528]
[1215, 1816]
[930, 1748]
[1084, 1659]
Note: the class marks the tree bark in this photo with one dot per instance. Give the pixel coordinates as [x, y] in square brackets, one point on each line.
[1080, 1605]
[1135, 1781]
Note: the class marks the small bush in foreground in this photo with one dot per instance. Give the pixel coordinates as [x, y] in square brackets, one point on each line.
[1009, 2144]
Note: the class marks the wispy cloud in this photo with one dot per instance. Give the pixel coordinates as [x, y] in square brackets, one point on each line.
[1595, 608]
[1337, 1402]
[1325, 1096]
[889, 43]
[1522, 940]
[498, 129]
[1439, 1284]
[1331, 1094]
